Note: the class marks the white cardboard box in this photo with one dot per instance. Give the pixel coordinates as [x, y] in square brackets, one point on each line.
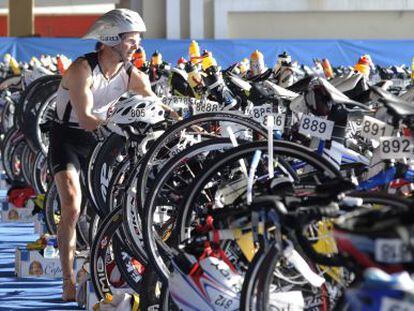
[31, 264]
[91, 298]
[39, 224]
[9, 213]
[3, 183]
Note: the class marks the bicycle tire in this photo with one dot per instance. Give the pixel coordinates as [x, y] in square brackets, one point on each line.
[322, 167]
[40, 173]
[7, 118]
[107, 158]
[43, 98]
[28, 95]
[284, 148]
[264, 280]
[28, 158]
[11, 138]
[106, 232]
[46, 113]
[169, 170]
[175, 129]
[16, 153]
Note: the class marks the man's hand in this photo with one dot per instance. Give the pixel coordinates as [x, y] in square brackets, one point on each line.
[102, 131]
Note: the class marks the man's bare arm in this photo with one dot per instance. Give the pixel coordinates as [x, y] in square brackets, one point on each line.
[78, 80]
[139, 83]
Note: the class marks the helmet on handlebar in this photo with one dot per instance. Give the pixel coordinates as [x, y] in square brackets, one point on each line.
[135, 109]
[108, 27]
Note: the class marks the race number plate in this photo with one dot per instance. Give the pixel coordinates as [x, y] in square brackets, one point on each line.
[396, 148]
[177, 100]
[260, 113]
[278, 121]
[205, 106]
[372, 128]
[316, 127]
[392, 251]
[390, 304]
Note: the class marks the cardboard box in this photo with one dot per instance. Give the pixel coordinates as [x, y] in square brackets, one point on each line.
[3, 183]
[91, 298]
[39, 224]
[9, 213]
[31, 264]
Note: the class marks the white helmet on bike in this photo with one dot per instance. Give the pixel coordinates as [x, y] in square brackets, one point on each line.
[216, 288]
[133, 110]
[108, 27]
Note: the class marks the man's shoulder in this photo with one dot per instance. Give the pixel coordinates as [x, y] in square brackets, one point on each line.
[78, 72]
[80, 65]
[138, 73]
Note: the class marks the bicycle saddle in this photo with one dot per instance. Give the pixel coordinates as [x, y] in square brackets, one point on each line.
[409, 95]
[339, 79]
[339, 97]
[262, 77]
[282, 92]
[301, 85]
[349, 83]
[395, 105]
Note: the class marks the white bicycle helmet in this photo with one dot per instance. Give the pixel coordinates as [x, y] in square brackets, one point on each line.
[135, 109]
[113, 23]
[216, 289]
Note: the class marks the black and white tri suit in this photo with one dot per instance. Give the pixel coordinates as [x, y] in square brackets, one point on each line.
[69, 144]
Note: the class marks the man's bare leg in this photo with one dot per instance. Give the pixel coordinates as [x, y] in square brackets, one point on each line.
[70, 197]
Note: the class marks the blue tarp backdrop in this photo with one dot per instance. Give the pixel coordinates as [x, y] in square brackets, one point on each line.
[226, 52]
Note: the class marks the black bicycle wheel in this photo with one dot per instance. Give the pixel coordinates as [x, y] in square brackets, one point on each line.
[88, 173]
[93, 227]
[166, 194]
[36, 111]
[40, 173]
[117, 184]
[31, 93]
[269, 284]
[247, 300]
[146, 284]
[16, 157]
[101, 254]
[7, 116]
[110, 154]
[171, 142]
[301, 166]
[28, 158]
[52, 208]
[223, 183]
[132, 217]
[46, 113]
[12, 137]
